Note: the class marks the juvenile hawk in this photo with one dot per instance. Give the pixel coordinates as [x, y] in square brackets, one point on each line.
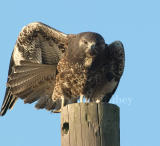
[55, 69]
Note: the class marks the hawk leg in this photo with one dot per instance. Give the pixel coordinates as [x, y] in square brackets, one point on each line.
[81, 98]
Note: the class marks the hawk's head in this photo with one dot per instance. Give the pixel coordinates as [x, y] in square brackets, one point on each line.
[91, 43]
[85, 47]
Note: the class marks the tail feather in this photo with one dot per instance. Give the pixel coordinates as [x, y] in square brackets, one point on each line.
[48, 103]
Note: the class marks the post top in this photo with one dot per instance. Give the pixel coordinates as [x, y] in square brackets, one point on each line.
[89, 104]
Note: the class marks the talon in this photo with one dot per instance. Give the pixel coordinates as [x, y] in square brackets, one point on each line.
[57, 111]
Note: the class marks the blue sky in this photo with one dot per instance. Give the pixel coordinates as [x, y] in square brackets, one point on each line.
[136, 23]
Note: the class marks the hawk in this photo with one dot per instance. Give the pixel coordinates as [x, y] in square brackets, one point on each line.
[54, 69]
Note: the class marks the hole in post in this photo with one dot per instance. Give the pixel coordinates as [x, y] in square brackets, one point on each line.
[65, 128]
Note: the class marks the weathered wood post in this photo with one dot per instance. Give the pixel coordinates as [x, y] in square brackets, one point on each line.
[90, 124]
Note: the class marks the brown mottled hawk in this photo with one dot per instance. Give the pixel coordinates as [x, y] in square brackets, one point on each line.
[55, 69]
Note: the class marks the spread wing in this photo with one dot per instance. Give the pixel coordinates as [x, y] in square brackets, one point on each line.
[33, 66]
[116, 60]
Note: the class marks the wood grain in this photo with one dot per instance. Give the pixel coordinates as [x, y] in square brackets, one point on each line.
[90, 124]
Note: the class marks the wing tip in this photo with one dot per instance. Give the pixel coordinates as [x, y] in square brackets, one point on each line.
[3, 112]
[8, 102]
[118, 44]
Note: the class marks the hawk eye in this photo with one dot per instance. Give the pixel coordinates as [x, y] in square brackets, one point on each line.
[85, 42]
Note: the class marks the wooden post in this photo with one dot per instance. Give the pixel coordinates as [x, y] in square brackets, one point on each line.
[90, 124]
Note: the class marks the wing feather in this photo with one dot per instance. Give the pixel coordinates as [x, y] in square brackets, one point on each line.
[116, 55]
[33, 64]
[116, 59]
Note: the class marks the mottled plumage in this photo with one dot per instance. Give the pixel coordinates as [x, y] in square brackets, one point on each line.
[55, 69]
